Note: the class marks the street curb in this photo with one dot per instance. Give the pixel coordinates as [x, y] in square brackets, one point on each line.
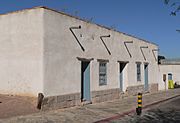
[157, 102]
[107, 120]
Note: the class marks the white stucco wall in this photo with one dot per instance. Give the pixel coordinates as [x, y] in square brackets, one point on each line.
[39, 53]
[21, 56]
[165, 69]
[62, 69]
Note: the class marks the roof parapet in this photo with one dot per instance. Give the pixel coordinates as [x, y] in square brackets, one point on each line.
[170, 61]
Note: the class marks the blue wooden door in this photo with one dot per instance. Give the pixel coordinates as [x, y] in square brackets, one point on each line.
[146, 77]
[121, 81]
[86, 81]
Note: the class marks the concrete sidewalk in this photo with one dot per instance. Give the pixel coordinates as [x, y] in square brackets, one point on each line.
[101, 112]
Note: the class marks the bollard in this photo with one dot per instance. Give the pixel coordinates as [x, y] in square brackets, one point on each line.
[139, 108]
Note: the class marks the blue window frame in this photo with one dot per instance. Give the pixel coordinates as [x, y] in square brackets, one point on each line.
[138, 65]
[102, 73]
[169, 76]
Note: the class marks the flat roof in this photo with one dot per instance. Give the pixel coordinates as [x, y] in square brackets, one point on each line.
[170, 61]
[63, 13]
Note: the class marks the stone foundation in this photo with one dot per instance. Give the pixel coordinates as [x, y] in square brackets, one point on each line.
[61, 101]
[105, 95]
[134, 90]
[70, 100]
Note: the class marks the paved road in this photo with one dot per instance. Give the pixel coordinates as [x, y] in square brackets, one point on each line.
[94, 112]
[166, 112]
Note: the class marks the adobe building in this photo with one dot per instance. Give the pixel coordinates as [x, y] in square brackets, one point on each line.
[170, 70]
[72, 61]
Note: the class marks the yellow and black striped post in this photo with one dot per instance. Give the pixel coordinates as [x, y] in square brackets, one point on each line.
[139, 108]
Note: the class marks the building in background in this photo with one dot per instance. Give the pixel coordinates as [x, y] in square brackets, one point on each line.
[72, 61]
[170, 70]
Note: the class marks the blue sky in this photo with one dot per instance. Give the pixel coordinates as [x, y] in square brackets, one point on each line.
[146, 19]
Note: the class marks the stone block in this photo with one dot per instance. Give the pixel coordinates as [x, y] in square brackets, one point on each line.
[72, 97]
[77, 102]
[77, 96]
[60, 99]
[45, 101]
[133, 90]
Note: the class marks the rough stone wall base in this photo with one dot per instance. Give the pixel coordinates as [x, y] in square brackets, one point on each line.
[61, 101]
[70, 100]
[105, 95]
[134, 90]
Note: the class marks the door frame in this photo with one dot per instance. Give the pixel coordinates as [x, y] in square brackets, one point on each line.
[85, 97]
